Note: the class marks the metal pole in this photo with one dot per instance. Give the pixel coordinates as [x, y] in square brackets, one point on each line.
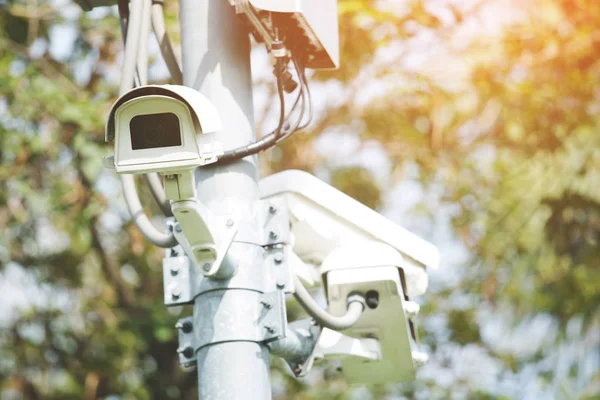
[216, 61]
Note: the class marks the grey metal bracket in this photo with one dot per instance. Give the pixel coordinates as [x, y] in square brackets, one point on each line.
[277, 259]
[187, 348]
[224, 229]
[179, 277]
[276, 222]
[310, 331]
[250, 317]
[273, 320]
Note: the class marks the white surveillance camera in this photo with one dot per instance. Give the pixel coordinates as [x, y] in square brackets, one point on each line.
[374, 270]
[155, 129]
[360, 252]
[324, 218]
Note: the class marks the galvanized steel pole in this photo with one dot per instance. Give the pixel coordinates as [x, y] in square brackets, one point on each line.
[216, 61]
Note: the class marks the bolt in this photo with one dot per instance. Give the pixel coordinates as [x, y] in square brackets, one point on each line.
[266, 304]
[229, 223]
[188, 352]
[420, 357]
[176, 293]
[272, 210]
[278, 258]
[178, 228]
[273, 235]
[270, 328]
[174, 269]
[186, 327]
[411, 309]
[174, 253]
[372, 299]
[206, 267]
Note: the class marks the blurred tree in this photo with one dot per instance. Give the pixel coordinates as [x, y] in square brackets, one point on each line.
[498, 128]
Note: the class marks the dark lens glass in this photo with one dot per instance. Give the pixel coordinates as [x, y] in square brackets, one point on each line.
[152, 131]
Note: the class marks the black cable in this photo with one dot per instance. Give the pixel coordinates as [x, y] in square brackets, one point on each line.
[287, 127]
[293, 130]
[303, 95]
[284, 129]
[286, 124]
[303, 81]
[265, 142]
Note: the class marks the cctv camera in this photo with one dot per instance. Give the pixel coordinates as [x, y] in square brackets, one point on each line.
[374, 270]
[360, 252]
[155, 129]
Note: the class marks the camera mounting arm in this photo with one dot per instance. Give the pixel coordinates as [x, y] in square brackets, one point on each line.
[206, 237]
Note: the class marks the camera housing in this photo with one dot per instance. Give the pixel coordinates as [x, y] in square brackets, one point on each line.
[156, 129]
[374, 270]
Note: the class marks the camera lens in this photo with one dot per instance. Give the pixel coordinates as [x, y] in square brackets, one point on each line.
[153, 131]
[154, 134]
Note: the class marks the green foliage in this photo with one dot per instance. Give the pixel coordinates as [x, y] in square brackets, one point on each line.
[358, 183]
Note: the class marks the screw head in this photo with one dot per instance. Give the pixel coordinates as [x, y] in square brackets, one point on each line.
[272, 210]
[266, 304]
[420, 357]
[273, 235]
[411, 309]
[175, 269]
[206, 267]
[372, 299]
[188, 352]
[278, 258]
[270, 328]
[229, 223]
[187, 327]
[176, 293]
[178, 228]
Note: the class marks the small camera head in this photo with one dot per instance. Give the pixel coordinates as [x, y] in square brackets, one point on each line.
[155, 127]
[377, 271]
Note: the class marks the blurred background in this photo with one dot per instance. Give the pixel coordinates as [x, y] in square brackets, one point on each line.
[473, 123]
